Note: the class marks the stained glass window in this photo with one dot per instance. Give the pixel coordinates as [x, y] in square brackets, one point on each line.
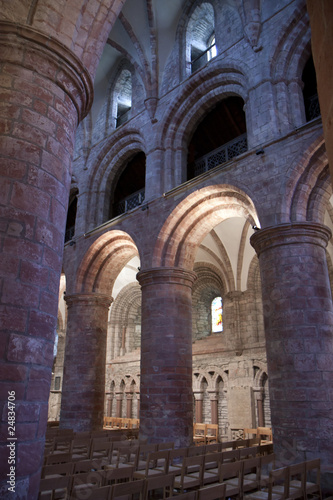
[217, 323]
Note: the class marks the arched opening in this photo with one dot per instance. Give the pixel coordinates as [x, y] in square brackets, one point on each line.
[58, 355]
[310, 93]
[129, 192]
[123, 97]
[71, 215]
[216, 311]
[218, 138]
[200, 37]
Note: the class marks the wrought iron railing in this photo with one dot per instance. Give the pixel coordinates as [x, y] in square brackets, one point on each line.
[221, 155]
[130, 202]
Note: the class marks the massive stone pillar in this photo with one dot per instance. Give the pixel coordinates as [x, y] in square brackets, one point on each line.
[44, 91]
[298, 316]
[83, 389]
[166, 410]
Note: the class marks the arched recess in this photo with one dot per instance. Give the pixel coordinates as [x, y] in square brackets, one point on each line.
[308, 186]
[261, 395]
[125, 321]
[103, 262]
[194, 218]
[219, 137]
[289, 56]
[107, 167]
[199, 33]
[209, 388]
[208, 285]
[203, 91]
[128, 189]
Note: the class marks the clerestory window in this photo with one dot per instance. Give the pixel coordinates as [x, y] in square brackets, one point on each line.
[217, 317]
[123, 97]
[200, 37]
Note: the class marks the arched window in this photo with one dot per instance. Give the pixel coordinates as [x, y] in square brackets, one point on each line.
[212, 52]
[71, 215]
[200, 37]
[218, 138]
[217, 319]
[310, 94]
[123, 97]
[129, 191]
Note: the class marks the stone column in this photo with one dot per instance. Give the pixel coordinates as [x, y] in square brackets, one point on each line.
[129, 401]
[213, 407]
[83, 390]
[166, 356]
[298, 316]
[44, 92]
[198, 396]
[258, 394]
[138, 405]
[119, 405]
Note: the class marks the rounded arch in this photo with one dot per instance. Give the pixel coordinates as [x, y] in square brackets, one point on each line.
[291, 50]
[207, 286]
[125, 315]
[193, 218]
[202, 92]
[308, 185]
[106, 168]
[103, 261]
[289, 55]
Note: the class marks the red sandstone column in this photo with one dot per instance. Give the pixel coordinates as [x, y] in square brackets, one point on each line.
[166, 356]
[83, 389]
[129, 401]
[198, 396]
[119, 404]
[138, 405]
[44, 92]
[213, 408]
[298, 317]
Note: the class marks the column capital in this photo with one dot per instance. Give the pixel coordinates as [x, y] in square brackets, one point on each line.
[198, 395]
[49, 58]
[88, 299]
[213, 395]
[289, 234]
[166, 275]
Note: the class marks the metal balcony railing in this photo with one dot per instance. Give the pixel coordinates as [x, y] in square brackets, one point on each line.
[130, 202]
[221, 155]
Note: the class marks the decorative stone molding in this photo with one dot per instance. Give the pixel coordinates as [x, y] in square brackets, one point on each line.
[46, 56]
[88, 299]
[170, 275]
[288, 234]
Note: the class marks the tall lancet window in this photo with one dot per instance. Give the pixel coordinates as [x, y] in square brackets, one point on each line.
[217, 320]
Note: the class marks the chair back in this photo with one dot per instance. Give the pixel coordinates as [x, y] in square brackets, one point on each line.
[131, 488]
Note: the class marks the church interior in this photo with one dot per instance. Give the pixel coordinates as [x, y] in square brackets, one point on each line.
[166, 225]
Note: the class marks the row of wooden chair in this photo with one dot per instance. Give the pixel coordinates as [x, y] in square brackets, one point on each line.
[194, 472]
[192, 467]
[205, 433]
[121, 423]
[297, 481]
[264, 434]
[92, 487]
[80, 443]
